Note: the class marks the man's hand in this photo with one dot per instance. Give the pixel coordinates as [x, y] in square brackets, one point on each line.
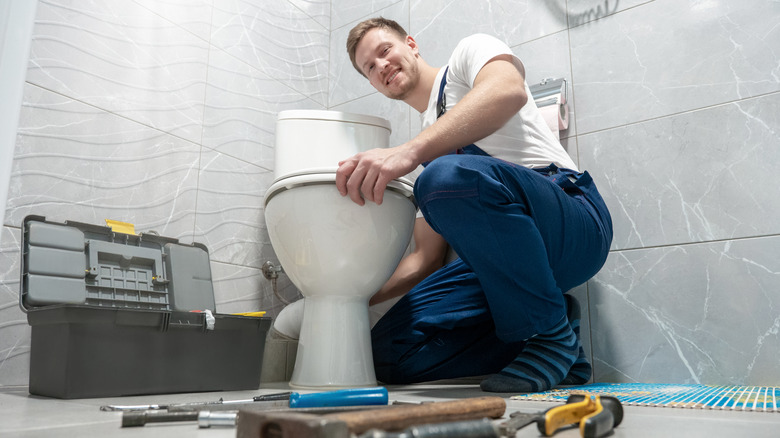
[365, 176]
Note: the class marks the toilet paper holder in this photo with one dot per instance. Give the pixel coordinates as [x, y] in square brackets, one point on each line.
[549, 91]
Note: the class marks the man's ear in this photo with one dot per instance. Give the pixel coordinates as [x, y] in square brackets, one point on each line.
[412, 44]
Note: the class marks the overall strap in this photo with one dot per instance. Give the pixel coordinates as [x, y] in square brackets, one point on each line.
[441, 103]
[441, 108]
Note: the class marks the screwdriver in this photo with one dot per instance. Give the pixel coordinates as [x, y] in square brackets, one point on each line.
[282, 396]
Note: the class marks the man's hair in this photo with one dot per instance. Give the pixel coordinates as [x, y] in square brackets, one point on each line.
[358, 32]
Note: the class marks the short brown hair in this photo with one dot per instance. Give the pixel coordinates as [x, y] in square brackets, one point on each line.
[358, 32]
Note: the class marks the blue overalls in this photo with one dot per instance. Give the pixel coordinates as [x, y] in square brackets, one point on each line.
[524, 237]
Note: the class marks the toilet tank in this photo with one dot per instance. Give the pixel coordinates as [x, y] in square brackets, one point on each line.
[314, 141]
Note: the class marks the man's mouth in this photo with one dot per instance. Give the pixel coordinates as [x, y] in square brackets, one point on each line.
[392, 77]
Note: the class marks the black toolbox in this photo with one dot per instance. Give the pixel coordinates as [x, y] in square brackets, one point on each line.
[116, 314]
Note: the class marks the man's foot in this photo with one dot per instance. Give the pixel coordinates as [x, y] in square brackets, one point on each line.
[580, 372]
[543, 364]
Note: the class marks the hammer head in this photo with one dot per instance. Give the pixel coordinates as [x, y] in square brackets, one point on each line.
[288, 425]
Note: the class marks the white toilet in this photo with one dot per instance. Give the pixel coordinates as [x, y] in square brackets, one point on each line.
[336, 252]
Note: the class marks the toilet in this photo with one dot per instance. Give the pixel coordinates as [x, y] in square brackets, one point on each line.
[337, 253]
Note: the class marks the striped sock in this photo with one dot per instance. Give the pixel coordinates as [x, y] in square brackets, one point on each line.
[580, 372]
[544, 363]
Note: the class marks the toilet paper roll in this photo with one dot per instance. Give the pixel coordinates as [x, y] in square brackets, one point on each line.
[557, 118]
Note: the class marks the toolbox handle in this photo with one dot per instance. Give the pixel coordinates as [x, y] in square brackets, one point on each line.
[186, 321]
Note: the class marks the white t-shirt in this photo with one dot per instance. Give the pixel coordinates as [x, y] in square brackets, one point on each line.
[525, 139]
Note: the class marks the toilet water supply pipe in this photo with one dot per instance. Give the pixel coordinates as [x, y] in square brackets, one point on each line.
[271, 272]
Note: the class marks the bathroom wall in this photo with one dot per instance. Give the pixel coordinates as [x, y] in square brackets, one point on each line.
[161, 113]
[675, 113]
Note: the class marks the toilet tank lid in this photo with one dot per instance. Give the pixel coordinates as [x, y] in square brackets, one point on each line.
[338, 116]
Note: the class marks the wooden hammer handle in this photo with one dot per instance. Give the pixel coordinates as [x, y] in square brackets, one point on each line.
[402, 417]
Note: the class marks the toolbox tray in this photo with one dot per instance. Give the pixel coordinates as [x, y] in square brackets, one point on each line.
[115, 314]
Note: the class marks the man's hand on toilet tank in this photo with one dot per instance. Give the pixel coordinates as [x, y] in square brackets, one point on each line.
[365, 176]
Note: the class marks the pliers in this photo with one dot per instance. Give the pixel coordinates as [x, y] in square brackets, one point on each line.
[596, 415]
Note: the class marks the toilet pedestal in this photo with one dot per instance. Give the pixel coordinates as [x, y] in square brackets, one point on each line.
[334, 350]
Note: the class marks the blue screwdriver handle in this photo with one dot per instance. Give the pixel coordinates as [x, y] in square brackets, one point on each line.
[343, 397]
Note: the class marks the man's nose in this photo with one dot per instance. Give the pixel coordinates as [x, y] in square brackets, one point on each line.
[382, 63]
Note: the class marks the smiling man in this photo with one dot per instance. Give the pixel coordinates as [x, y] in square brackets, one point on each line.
[498, 189]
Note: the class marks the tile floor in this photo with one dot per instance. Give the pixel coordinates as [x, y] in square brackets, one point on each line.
[23, 415]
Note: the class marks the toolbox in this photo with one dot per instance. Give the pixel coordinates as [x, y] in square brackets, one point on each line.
[116, 314]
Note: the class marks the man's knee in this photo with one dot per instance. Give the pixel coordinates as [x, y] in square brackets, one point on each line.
[437, 175]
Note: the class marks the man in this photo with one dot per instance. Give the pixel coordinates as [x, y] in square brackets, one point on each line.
[500, 190]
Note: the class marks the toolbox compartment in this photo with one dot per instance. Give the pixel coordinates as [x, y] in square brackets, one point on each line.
[116, 314]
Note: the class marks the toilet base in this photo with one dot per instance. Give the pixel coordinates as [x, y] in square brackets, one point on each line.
[334, 349]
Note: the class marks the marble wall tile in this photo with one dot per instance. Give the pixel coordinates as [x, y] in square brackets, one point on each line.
[345, 82]
[122, 58]
[76, 162]
[396, 111]
[348, 11]
[704, 313]
[438, 25]
[319, 10]
[692, 177]
[278, 39]
[14, 330]
[579, 12]
[192, 15]
[713, 52]
[241, 107]
[230, 218]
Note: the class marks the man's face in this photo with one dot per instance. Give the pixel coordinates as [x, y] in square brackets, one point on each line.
[389, 62]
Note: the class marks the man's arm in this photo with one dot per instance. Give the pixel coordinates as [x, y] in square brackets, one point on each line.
[497, 95]
[430, 249]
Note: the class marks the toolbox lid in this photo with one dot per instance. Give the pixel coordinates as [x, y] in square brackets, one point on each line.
[85, 264]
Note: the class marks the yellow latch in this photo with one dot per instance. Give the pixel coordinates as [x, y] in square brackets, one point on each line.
[121, 227]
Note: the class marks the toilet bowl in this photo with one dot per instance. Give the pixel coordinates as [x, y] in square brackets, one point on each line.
[337, 253]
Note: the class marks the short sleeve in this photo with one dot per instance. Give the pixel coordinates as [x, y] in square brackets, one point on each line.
[471, 54]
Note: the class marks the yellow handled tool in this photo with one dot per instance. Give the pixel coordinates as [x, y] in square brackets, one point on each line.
[596, 415]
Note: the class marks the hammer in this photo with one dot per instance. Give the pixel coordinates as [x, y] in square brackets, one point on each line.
[341, 425]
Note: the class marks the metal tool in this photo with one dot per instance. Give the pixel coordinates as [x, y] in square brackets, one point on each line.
[205, 419]
[208, 419]
[277, 397]
[596, 415]
[483, 428]
[517, 421]
[344, 397]
[141, 418]
[393, 418]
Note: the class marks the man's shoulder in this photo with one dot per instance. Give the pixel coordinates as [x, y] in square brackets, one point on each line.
[477, 43]
[471, 54]
[479, 39]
